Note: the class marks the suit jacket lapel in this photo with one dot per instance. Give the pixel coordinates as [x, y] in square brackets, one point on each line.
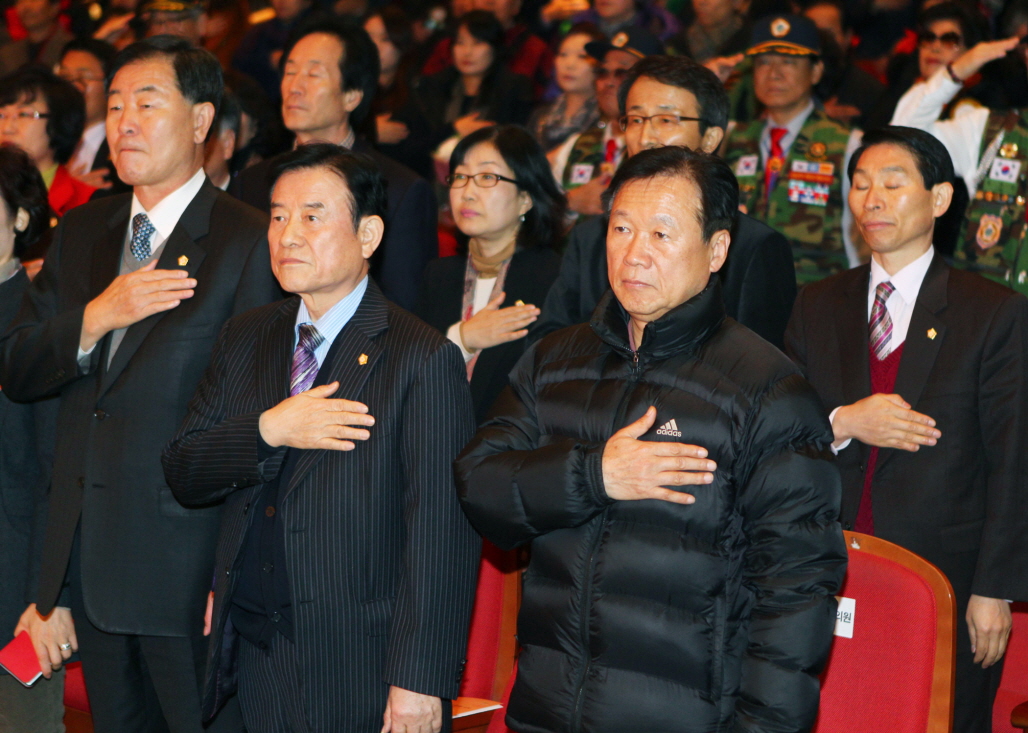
[357, 338]
[180, 246]
[274, 355]
[851, 328]
[921, 348]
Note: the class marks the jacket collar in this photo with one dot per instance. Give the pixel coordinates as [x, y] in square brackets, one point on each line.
[683, 329]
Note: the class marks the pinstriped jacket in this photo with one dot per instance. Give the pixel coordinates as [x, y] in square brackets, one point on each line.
[381, 560]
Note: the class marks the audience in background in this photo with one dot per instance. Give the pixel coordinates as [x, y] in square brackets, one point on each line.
[510, 215]
[44, 116]
[44, 36]
[85, 63]
[221, 143]
[719, 28]
[260, 51]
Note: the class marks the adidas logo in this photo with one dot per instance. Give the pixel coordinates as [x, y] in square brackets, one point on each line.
[670, 428]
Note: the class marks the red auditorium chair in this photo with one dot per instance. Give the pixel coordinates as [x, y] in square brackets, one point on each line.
[1010, 713]
[896, 674]
[492, 642]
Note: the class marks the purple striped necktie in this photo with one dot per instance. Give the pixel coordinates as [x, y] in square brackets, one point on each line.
[881, 322]
[305, 364]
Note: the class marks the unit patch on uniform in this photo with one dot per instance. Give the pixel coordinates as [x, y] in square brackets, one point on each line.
[582, 173]
[803, 192]
[810, 182]
[746, 166]
[1005, 170]
[817, 150]
[989, 229]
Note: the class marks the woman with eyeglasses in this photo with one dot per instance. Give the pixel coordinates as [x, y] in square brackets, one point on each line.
[510, 216]
[44, 115]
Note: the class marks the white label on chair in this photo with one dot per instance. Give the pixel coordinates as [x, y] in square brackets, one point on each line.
[844, 617]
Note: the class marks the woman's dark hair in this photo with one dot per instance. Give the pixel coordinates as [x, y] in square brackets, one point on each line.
[358, 64]
[66, 104]
[585, 28]
[719, 191]
[363, 180]
[930, 155]
[972, 25]
[398, 27]
[197, 71]
[684, 73]
[22, 187]
[544, 222]
[483, 26]
[400, 31]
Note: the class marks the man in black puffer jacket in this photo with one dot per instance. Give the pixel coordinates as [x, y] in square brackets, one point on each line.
[648, 609]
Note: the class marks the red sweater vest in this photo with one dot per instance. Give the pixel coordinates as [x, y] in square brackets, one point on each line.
[883, 381]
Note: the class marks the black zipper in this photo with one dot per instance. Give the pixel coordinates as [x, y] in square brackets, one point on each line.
[576, 719]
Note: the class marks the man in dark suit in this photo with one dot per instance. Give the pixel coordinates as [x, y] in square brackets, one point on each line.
[329, 77]
[344, 595]
[670, 100]
[924, 369]
[122, 339]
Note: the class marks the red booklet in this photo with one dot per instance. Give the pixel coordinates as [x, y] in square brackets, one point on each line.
[19, 658]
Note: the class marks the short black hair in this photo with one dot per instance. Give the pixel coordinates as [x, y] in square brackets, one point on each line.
[22, 187]
[544, 222]
[684, 73]
[973, 27]
[485, 27]
[358, 64]
[930, 155]
[102, 51]
[362, 177]
[197, 71]
[719, 191]
[230, 114]
[67, 106]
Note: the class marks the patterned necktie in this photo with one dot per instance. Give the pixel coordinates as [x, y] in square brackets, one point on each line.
[305, 364]
[881, 323]
[774, 163]
[141, 231]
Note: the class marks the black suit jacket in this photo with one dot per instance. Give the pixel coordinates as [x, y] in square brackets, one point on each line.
[960, 504]
[529, 277]
[146, 561]
[758, 280]
[411, 240]
[381, 560]
[26, 452]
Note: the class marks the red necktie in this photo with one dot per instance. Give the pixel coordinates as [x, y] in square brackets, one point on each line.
[774, 163]
[611, 151]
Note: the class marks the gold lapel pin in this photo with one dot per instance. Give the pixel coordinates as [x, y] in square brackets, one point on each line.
[932, 333]
[362, 359]
[183, 261]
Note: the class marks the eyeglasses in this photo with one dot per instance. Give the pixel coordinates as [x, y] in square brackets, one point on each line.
[482, 180]
[24, 115]
[616, 73]
[659, 122]
[949, 40]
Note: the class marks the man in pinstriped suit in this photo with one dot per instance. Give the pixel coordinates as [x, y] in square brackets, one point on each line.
[342, 599]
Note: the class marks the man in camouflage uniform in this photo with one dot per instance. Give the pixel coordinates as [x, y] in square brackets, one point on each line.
[990, 152]
[588, 160]
[791, 163]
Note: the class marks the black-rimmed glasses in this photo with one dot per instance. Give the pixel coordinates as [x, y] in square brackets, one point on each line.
[659, 122]
[951, 39]
[482, 180]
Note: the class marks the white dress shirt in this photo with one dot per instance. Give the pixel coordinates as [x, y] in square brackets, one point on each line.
[332, 321]
[900, 305]
[85, 152]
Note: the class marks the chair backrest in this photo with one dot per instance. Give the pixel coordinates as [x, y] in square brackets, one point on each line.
[492, 642]
[1013, 689]
[895, 675]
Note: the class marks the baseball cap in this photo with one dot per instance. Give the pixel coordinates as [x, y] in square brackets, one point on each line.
[794, 35]
[637, 41]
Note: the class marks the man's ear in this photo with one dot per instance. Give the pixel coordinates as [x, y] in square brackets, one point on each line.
[352, 99]
[718, 246]
[369, 234]
[203, 118]
[712, 138]
[942, 197]
[21, 220]
[817, 70]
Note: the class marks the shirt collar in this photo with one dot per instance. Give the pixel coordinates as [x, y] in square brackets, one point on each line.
[333, 321]
[908, 280]
[165, 215]
[794, 125]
